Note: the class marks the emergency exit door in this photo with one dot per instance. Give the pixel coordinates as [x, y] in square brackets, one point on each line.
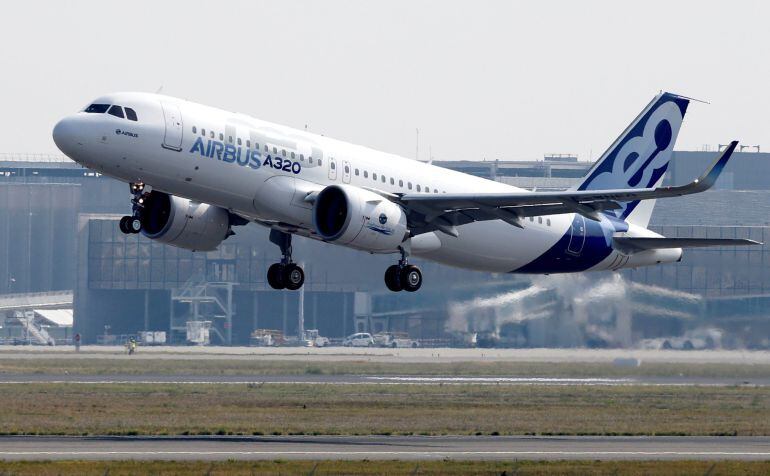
[173, 117]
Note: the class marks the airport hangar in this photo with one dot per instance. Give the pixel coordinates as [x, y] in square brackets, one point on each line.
[59, 234]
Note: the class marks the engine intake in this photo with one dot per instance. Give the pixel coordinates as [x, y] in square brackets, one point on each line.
[361, 219]
[183, 223]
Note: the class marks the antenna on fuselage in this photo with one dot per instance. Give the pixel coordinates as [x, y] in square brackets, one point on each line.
[160, 90]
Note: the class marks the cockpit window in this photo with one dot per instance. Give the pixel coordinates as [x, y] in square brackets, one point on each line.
[130, 114]
[116, 111]
[98, 108]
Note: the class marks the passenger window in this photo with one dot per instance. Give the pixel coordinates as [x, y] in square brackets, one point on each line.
[383, 179]
[230, 139]
[540, 220]
[211, 133]
[221, 137]
[333, 165]
[239, 141]
[409, 185]
[301, 158]
[347, 169]
[203, 132]
[531, 218]
[292, 155]
[116, 111]
[356, 172]
[392, 182]
[97, 108]
[548, 221]
[401, 183]
[266, 149]
[195, 130]
[366, 174]
[283, 152]
[319, 162]
[418, 187]
[310, 159]
[374, 176]
[248, 143]
[275, 150]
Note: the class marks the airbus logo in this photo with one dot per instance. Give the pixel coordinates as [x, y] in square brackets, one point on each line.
[126, 133]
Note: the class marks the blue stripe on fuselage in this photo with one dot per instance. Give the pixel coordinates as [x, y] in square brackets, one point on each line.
[597, 246]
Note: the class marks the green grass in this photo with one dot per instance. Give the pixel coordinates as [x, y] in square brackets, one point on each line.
[171, 468]
[174, 409]
[109, 365]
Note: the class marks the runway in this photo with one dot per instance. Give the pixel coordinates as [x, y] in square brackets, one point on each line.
[6, 379]
[385, 447]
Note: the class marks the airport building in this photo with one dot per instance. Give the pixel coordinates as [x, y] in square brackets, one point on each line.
[59, 235]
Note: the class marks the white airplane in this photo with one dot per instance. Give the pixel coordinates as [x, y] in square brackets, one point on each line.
[197, 171]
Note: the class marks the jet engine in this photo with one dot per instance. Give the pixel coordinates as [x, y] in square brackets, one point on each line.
[358, 218]
[183, 223]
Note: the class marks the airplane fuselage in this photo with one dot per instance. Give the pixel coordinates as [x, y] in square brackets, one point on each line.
[264, 172]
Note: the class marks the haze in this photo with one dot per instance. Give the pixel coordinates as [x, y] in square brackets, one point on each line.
[481, 80]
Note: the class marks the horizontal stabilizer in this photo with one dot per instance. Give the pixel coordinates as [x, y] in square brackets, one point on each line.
[631, 245]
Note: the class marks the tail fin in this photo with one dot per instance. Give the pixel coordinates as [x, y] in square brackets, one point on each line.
[639, 157]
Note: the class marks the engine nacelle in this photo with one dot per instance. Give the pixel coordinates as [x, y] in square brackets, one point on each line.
[358, 218]
[180, 222]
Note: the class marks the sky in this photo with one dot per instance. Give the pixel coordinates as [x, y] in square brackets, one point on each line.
[481, 80]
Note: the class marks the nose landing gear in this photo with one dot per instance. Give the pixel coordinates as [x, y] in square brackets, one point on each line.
[133, 224]
[286, 274]
[403, 276]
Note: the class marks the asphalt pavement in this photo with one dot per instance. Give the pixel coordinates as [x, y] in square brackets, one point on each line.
[385, 447]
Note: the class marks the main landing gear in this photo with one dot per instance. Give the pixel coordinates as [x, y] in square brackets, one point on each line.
[286, 274]
[133, 224]
[403, 276]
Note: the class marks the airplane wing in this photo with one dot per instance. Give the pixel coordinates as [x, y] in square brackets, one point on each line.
[630, 245]
[444, 212]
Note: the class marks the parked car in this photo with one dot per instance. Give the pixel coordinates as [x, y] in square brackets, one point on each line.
[359, 339]
[395, 339]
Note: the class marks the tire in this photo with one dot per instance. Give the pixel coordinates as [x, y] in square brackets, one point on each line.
[275, 276]
[293, 277]
[123, 225]
[411, 278]
[393, 278]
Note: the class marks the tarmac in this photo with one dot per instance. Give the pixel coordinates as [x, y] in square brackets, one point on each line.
[385, 448]
[216, 379]
[401, 355]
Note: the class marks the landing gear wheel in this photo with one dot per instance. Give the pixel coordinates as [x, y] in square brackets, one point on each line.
[393, 278]
[411, 278]
[123, 225]
[293, 276]
[134, 224]
[275, 276]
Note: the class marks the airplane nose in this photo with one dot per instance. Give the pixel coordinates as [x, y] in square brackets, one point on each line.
[65, 135]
